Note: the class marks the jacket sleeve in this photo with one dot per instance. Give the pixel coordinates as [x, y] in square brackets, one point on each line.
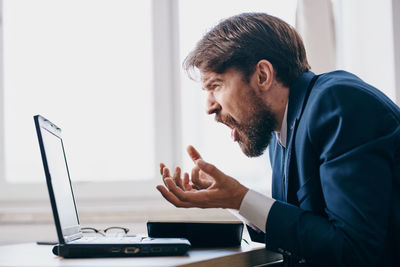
[354, 136]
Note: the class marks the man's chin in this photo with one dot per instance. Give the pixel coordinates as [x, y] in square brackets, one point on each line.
[251, 151]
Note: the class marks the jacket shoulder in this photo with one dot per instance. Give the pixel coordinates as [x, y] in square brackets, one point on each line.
[343, 112]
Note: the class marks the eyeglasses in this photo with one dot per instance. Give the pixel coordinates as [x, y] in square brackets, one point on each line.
[112, 231]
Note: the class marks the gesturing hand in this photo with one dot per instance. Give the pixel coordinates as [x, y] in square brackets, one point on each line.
[208, 187]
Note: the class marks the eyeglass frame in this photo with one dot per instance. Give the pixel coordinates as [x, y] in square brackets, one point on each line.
[103, 232]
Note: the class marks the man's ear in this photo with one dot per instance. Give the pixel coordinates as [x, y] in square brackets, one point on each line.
[265, 74]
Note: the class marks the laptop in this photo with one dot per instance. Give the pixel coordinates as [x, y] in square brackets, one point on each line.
[72, 242]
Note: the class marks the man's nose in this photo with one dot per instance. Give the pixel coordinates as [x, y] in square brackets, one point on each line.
[212, 105]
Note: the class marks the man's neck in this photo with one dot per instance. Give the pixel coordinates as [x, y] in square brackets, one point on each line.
[281, 135]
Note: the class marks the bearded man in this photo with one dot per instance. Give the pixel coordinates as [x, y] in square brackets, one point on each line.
[334, 145]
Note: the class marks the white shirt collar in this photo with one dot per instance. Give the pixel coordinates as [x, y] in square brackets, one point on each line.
[282, 135]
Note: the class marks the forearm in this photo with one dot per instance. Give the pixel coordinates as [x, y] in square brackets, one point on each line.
[304, 235]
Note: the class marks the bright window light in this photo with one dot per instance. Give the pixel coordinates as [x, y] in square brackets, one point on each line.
[86, 65]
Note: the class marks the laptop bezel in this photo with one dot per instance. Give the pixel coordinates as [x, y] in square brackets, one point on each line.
[74, 232]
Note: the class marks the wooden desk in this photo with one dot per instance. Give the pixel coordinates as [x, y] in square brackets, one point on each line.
[253, 254]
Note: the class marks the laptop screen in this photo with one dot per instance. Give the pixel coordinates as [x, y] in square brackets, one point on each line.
[60, 183]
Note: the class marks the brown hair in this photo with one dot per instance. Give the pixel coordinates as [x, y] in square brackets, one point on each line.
[243, 40]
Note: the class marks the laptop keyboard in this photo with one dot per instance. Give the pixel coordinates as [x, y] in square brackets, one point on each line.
[109, 239]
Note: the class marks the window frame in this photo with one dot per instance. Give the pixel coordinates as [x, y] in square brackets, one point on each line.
[167, 120]
[167, 123]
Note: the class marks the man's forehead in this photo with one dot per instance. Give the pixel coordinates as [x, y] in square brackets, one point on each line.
[207, 77]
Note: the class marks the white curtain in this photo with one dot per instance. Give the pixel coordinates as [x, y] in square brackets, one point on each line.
[316, 25]
[353, 35]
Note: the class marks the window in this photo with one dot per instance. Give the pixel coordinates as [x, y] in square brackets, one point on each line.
[109, 72]
[366, 46]
[88, 66]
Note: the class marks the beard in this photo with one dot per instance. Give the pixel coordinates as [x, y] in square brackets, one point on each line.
[255, 132]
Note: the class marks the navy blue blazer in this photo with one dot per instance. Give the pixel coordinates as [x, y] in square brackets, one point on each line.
[337, 183]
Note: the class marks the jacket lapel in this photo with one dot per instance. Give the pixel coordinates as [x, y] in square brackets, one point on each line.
[298, 95]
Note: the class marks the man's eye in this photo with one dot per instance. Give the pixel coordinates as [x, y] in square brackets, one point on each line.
[216, 86]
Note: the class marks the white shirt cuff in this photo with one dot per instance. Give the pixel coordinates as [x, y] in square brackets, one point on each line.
[255, 208]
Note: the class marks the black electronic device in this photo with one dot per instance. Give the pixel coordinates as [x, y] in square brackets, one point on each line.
[199, 233]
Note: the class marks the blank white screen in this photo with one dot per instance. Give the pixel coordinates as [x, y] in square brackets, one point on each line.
[60, 181]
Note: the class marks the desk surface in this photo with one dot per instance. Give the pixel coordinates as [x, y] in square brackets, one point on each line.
[30, 254]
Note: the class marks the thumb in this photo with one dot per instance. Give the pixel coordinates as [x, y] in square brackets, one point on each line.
[193, 153]
[210, 169]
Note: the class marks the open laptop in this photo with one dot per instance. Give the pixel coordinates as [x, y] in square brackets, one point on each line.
[72, 243]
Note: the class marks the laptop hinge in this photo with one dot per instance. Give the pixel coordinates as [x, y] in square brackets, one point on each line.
[72, 237]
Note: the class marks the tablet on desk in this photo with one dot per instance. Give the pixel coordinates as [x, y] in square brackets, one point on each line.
[199, 233]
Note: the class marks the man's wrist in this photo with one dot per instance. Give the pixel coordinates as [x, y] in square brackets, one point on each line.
[241, 194]
[255, 208]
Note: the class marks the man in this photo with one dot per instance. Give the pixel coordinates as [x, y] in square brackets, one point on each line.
[334, 144]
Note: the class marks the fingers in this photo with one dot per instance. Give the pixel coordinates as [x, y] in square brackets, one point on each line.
[174, 194]
[177, 178]
[164, 171]
[210, 169]
[195, 177]
[193, 153]
[186, 182]
[162, 166]
[181, 198]
[170, 197]
[225, 191]
[198, 181]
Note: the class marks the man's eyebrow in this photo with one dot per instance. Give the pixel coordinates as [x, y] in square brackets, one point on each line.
[211, 81]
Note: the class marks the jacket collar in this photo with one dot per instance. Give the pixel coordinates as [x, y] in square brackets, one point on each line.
[297, 96]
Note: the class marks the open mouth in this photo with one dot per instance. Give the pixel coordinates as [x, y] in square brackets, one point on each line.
[234, 131]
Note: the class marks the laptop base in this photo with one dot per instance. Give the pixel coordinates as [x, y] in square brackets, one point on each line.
[105, 251]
